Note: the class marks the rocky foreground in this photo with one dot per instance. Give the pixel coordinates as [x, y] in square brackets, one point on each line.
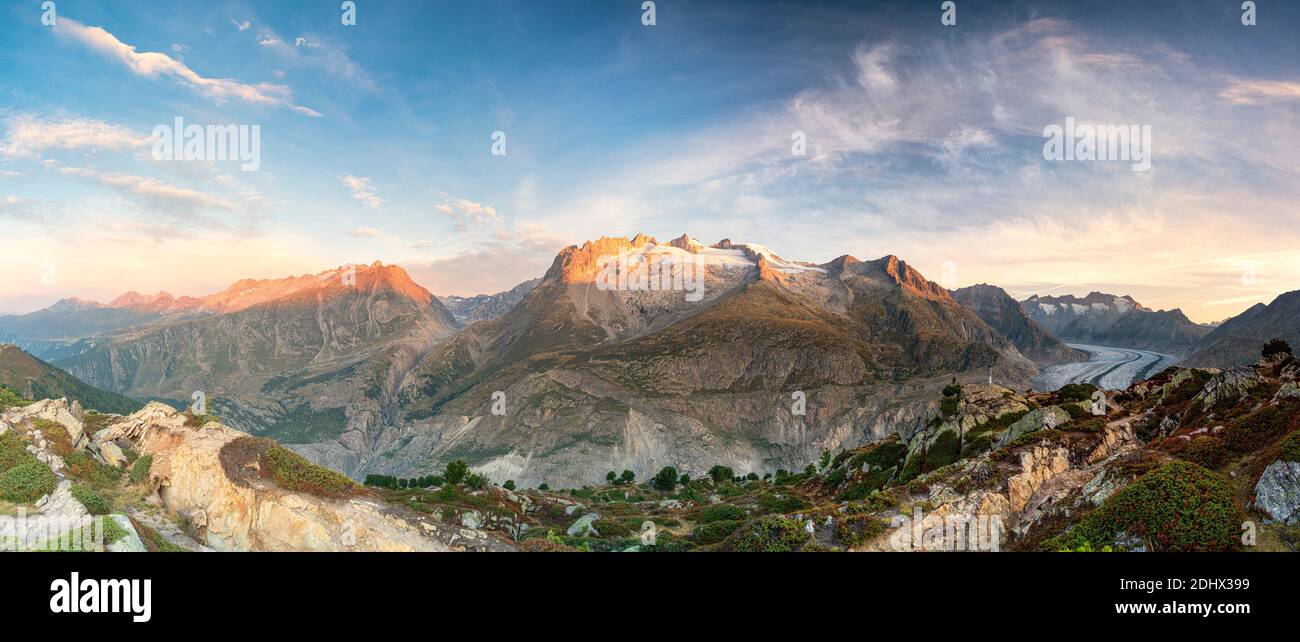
[1191, 460]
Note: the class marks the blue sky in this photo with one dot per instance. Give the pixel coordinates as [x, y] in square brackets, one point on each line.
[923, 141]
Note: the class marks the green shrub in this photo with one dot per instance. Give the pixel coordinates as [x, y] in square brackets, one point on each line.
[976, 444]
[772, 535]
[1291, 447]
[720, 473]
[949, 406]
[13, 451]
[1075, 392]
[140, 469]
[1275, 346]
[856, 529]
[94, 503]
[1206, 451]
[291, 472]
[775, 504]
[886, 455]
[476, 481]
[1179, 506]
[665, 479]
[456, 472]
[952, 390]
[945, 450]
[1075, 411]
[721, 512]
[509, 485]
[1259, 428]
[27, 482]
[714, 532]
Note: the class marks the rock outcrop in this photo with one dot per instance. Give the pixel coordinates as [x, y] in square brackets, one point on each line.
[230, 511]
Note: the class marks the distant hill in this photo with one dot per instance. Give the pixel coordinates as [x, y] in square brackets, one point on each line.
[35, 379]
[1117, 321]
[1005, 315]
[1237, 340]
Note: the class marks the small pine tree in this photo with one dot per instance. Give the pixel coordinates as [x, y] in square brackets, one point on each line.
[627, 476]
[1275, 346]
[456, 472]
[611, 477]
[665, 479]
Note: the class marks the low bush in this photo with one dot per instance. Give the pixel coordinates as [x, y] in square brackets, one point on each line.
[714, 532]
[1291, 447]
[1207, 451]
[1179, 506]
[94, 503]
[770, 535]
[26, 482]
[721, 512]
[856, 529]
[291, 472]
[1260, 428]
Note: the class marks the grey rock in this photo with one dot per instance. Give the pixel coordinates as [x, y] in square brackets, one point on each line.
[583, 527]
[1278, 492]
[1040, 419]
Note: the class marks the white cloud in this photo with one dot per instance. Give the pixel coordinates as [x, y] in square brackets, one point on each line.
[153, 189]
[152, 64]
[180, 48]
[362, 190]
[1254, 92]
[268, 41]
[365, 232]
[471, 216]
[242, 26]
[27, 134]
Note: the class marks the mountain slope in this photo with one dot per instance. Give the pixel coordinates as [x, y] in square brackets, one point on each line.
[35, 379]
[1237, 340]
[1005, 315]
[306, 359]
[595, 378]
[1109, 320]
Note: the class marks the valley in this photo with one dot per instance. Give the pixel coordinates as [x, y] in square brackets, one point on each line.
[1106, 367]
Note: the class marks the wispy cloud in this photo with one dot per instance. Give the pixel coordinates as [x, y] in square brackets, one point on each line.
[1254, 92]
[365, 232]
[241, 25]
[27, 134]
[362, 190]
[152, 64]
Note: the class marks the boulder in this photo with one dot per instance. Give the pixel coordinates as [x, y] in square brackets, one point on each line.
[583, 527]
[1040, 419]
[1278, 492]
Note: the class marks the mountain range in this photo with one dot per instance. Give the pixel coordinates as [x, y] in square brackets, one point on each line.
[732, 354]
[1117, 321]
[1236, 341]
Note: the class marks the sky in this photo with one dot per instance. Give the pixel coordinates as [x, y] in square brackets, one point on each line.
[920, 139]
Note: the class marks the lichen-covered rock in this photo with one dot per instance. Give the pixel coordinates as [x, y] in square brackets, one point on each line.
[583, 527]
[1278, 492]
[1040, 419]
